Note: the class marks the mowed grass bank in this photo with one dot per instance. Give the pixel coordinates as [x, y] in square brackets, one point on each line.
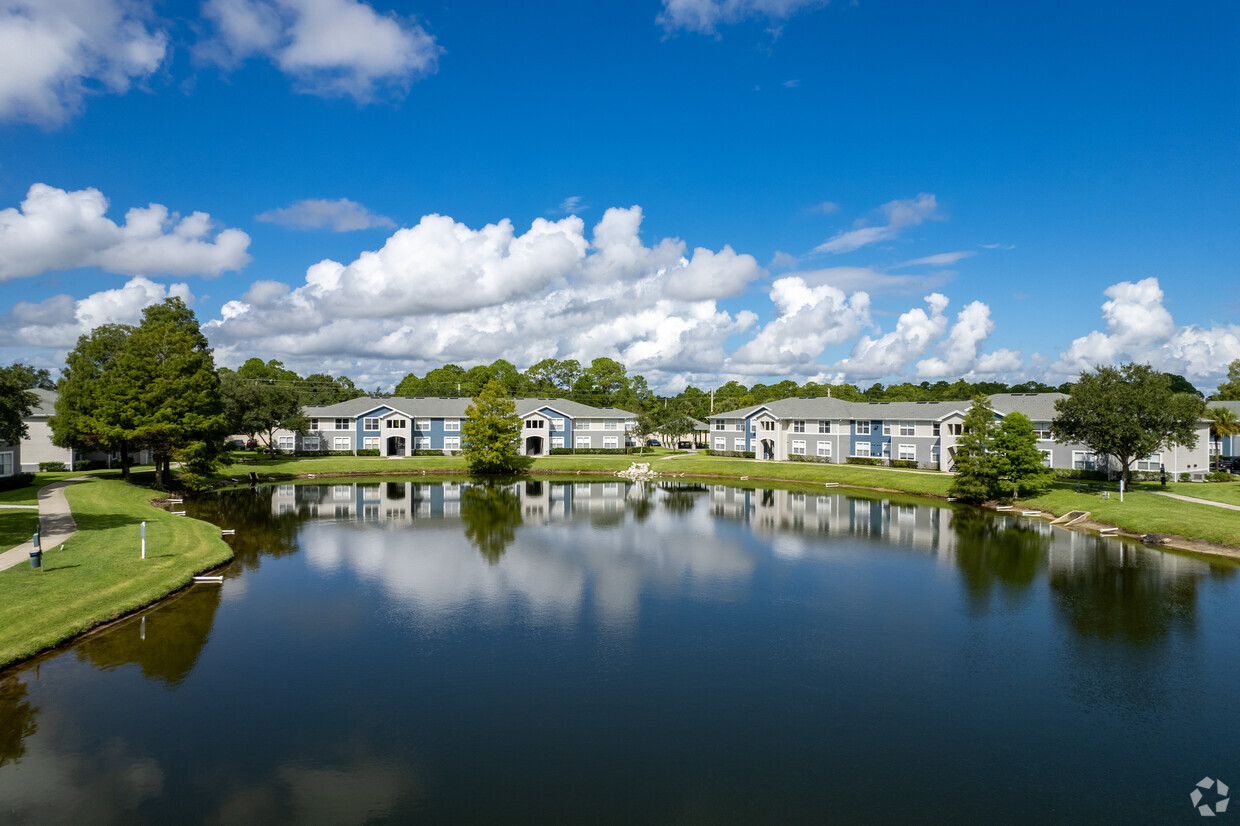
[99, 576]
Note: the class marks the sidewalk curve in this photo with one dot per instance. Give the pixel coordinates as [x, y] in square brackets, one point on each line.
[1197, 501]
[55, 522]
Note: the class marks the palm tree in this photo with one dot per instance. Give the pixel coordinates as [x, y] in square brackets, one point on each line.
[1223, 422]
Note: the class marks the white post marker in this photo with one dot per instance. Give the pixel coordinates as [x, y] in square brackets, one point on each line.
[144, 540]
[1121, 489]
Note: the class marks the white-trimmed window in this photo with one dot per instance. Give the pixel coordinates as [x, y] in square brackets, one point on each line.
[310, 443]
[934, 429]
[861, 427]
[934, 454]
[423, 425]
[798, 447]
[753, 426]
[908, 429]
[451, 425]
[824, 426]
[721, 443]
[907, 452]
[1047, 458]
[557, 441]
[768, 425]
[314, 424]
[582, 441]
[370, 424]
[535, 424]
[1043, 431]
[285, 442]
[370, 443]
[824, 449]
[886, 450]
[738, 444]
[451, 442]
[798, 426]
[719, 425]
[396, 423]
[422, 443]
[611, 425]
[886, 428]
[861, 449]
[341, 443]
[1084, 460]
[581, 424]
[557, 424]
[6, 463]
[611, 441]
[344, 424]
[1153, 462]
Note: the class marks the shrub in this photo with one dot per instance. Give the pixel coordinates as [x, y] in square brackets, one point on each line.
[17, 480]
[51, 467]
[368, 451]
[805, 457]
[85, 464]
[1184, 477]
[904, 463]
[864, 460]
[1220, 476]
[732, 454]
[592, 451]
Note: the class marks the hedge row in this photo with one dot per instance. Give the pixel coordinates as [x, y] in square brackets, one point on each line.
[732, 454]
[592, 451]
[864, 460]
[17, 480]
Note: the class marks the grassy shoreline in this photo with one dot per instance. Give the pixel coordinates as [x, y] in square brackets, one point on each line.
[98, 577]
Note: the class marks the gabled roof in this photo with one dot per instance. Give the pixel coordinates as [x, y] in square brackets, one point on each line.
[46, 406]
[1040, 407]
[429, 407]
[827, 407]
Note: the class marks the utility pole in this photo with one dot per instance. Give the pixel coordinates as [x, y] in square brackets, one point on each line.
[712, 400]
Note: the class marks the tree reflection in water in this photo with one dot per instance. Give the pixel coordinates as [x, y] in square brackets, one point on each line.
[491, 513]
[679, 497]
[989, 551]
[165, 643]
[259, 532]
[17, 719]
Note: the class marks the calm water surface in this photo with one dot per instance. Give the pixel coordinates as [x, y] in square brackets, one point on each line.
[606, 652]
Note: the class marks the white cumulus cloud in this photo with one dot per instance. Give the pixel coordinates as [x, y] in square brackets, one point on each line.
[58, 321]
[915, 332]
[341, 215]
[958, 353]
[332, 48]
[59, 230]
[810, 319]
[54, 53]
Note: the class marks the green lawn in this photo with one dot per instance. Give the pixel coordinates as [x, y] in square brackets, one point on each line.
[17, 526]
[98, 575]
[1145, 512]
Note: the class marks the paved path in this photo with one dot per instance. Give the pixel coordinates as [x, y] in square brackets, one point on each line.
[55, 523]
[1198, 501]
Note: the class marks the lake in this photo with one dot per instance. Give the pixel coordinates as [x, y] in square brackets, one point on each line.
[609, 652]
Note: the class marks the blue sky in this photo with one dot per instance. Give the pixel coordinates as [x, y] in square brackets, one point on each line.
[703, 189]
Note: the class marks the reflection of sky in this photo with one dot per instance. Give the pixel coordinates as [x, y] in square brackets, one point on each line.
[552, 571]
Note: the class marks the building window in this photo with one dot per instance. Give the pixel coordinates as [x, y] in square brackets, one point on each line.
[1084, 460]
[611, 425]
[314, 424]
[798, 426]
[1043, 431]
[824, 426]
[824, 449]
[861, 428]
[557, 424]
[583, 441]
[886, 450]
[370, 443]
[343, 424]
[738, 444]
[798, 447]
[611, 441]
[423, 425]
[451, 442]
[535, 424]
[721, 443]
[370, 424]
[886, 428]
[557, 441]
[1047, 460]
[396, 423]
[719, 425]
[581, 424]
[934, 429]
[285, 443]
[422, 443]
[310, 443]
[908, 452]
[1153, 462]
[768, 425]
[753, 426]
[934, 454]
[451, 425]
[908, 429]
[6, 464]
[861, 449]
[341, 443]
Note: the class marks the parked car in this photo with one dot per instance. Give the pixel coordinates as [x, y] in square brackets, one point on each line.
[251, 444]
[653, 443]
[684, 445]
[1231, 464]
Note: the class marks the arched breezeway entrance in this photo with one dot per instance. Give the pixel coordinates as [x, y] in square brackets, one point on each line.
[534, 446]
[767, 449]
[395, 446]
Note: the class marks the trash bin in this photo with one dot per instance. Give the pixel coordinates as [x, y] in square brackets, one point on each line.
[36, 558]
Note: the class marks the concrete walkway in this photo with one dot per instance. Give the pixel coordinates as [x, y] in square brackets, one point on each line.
[55, 523]
[1197, 501]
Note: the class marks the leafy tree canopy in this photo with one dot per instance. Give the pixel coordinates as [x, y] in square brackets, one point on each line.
[16, 403]
[1229, 390]
[491, 433]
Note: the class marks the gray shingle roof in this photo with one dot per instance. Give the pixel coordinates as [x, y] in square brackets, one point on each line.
[1040, 407]
[430, 407]
[824, 407]
[47, 403]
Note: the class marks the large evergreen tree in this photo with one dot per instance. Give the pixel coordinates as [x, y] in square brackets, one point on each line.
[16, 403]
[491, 433]
[92, 404]
[976, 472]
[260, 399]
[1017, 462]
[1127, 412]
[1229, 390]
